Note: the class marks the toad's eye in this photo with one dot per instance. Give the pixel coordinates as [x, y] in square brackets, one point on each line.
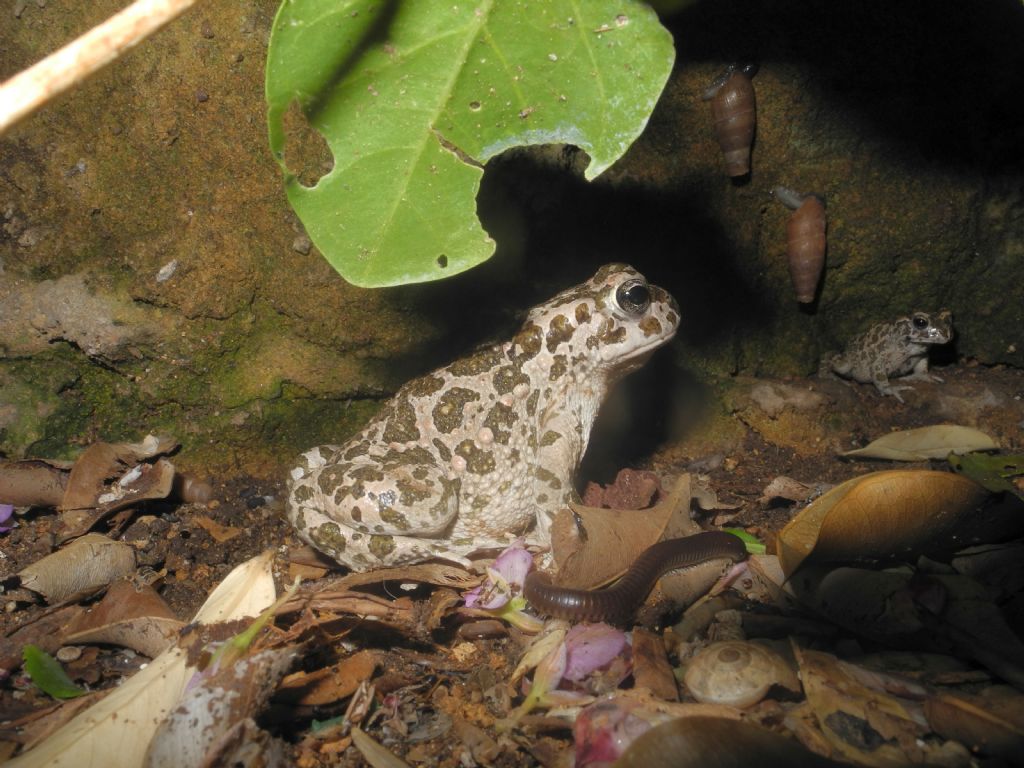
[920, 322]
[634, 296]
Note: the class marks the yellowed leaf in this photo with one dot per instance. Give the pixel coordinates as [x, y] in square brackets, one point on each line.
[898, 513]
[934, 442]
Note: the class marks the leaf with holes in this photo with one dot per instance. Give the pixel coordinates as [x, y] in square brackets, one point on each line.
[414, 97]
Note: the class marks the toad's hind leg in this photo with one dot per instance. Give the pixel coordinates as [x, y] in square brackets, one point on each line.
[372, 512]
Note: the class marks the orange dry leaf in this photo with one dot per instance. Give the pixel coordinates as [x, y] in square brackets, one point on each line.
[329, 684]
[220, 533]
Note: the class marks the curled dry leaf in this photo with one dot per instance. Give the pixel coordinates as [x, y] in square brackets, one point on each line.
[132, 618]
[82, 568]
[934, 442]
[142, 482]
[898, 513]
[103, 461]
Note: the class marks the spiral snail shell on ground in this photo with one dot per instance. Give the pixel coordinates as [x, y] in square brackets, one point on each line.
[805, 241]
[734, 110]
[737, 673]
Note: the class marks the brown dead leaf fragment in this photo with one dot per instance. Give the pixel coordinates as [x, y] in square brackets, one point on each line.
[651, 669]
[132, 618]
[330, 684]
[82, 568]
[219, 533]
[595, 546]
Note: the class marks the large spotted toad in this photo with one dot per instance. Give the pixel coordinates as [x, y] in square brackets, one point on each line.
[899, 348]
[475, 453]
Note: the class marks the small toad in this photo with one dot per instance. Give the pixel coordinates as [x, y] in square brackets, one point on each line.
[483, 450]
[896, 349]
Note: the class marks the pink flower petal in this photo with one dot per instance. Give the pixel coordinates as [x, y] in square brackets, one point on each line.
[591, 647]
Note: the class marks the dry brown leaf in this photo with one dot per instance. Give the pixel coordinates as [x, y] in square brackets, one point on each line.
[142, 482]
[83, 567]
[219, 533]
[103, 461]
[934, 442]
[651, 669]
[614, 538]
[33, 482]
[986, 724]
[133, 618]
[330, 684]
[863, 725]
[898, 513]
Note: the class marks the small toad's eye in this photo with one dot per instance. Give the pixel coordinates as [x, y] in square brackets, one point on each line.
[920, 322]
[634, 296]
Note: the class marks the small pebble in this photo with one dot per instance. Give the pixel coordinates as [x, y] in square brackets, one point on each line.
[302, 244]
[69, 653]
[202, 96]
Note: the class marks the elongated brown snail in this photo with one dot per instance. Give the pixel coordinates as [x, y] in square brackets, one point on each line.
[737, 673]
[805, 241]
[734, 110]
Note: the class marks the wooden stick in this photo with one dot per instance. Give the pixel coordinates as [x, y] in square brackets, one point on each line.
[28, 90]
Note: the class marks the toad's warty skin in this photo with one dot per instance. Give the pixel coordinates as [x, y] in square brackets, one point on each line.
[890, 350]
[485, 449]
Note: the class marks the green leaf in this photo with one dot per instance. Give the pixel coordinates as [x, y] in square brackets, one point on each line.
[47, 673]
[996, 473]
[754, 545]
[414, 96]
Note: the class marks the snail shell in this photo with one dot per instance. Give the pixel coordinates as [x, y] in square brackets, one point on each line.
[734, 110]
[805, 241]
[737, 673]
